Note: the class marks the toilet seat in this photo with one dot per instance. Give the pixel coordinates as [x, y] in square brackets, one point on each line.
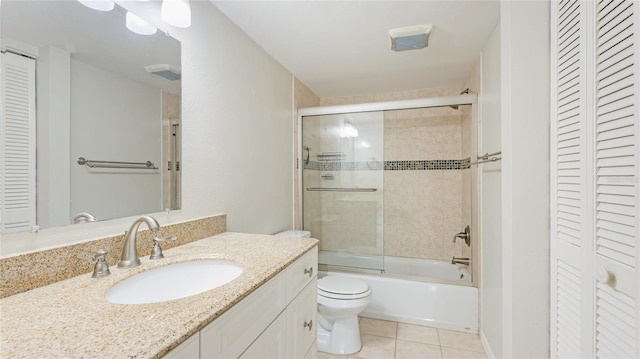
[337, 287]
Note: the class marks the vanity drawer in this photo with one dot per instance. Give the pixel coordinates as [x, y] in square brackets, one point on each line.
[301, 317]
[302, 272]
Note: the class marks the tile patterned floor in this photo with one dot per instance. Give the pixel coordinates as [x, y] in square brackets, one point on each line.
[382, 339]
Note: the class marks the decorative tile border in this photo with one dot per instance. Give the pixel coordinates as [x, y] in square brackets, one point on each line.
[421, 165]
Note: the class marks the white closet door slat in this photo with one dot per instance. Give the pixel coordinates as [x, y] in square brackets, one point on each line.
[568, 308]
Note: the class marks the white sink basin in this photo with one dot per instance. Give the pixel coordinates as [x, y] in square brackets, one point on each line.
[173, 281]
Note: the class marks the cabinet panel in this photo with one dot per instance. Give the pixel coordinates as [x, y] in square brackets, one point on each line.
[272, 343]
[301, 318]
[301, 272]
[189, 349]
[313, 351]
[229, 335]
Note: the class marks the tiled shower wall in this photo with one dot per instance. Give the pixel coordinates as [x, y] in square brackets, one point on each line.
[423, 207]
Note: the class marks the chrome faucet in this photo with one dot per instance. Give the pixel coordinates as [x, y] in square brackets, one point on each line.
[464, 261]
[129, 258]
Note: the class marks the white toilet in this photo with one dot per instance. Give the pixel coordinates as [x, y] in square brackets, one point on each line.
[340, 300]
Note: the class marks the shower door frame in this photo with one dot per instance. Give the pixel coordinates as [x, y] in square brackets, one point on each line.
[456, 100]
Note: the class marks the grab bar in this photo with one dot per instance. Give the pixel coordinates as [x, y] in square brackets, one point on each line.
[116, 164]
[329, 189]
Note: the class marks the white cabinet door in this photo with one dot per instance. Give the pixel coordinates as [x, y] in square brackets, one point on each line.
[313, 351]
[189, 349]
[302, 324]
[272, 343]
[229, 335]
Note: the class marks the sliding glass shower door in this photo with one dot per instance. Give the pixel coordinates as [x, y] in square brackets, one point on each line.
[342, 187]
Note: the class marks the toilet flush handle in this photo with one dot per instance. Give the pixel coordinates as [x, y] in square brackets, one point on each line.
[309, 271]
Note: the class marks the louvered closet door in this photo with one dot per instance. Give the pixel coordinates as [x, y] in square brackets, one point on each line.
[595, 172]
[17, 144]
[570, 214]
[616, 139]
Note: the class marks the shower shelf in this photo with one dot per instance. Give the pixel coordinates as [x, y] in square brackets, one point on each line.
[331, 156]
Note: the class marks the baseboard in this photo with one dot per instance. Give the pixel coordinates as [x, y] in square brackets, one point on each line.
[486, 346]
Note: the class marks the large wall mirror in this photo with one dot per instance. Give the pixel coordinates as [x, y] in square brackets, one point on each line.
[103, 93]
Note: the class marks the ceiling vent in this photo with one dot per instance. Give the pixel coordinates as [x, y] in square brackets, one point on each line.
[163, 70]
[410, 38]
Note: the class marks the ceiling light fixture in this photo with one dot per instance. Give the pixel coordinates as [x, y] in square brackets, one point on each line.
[100, 5]
[139, 26]
[176, 12]
[410, 38]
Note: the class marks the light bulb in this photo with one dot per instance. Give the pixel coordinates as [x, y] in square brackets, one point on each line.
[176, 12]
[100, 5]
[138, 25]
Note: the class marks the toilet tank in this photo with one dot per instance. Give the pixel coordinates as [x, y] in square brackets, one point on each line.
[294, 233]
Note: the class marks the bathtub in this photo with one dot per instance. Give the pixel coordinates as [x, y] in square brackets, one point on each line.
[423, 292]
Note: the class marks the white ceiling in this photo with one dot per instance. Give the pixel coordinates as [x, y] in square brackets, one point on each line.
[341, 48]
[94, 37]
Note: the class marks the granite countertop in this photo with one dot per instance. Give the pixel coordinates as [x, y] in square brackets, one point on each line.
[71, 318]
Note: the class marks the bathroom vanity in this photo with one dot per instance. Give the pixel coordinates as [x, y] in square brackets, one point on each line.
[277, 320]
[268, 311]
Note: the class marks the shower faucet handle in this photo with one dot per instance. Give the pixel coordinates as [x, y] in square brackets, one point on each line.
[466, 235]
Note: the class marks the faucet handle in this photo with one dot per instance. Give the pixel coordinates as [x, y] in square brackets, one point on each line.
[101, 268]
[156, 251]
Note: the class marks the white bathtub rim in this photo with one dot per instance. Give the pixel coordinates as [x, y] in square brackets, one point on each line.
[468, 325]
[326, 268]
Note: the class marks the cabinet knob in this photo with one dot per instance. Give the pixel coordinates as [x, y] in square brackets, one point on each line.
[308, 324]
[605, 276]
[309, 271]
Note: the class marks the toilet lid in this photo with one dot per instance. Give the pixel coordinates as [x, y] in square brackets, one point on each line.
[342, 285]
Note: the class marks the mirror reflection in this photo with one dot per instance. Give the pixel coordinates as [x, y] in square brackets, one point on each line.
[85, 87]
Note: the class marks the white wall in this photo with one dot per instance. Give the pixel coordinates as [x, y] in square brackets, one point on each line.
[237, 114]
[490, 195]
[53, 122]
[524, 29]
[237, 123]
[114, 119]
